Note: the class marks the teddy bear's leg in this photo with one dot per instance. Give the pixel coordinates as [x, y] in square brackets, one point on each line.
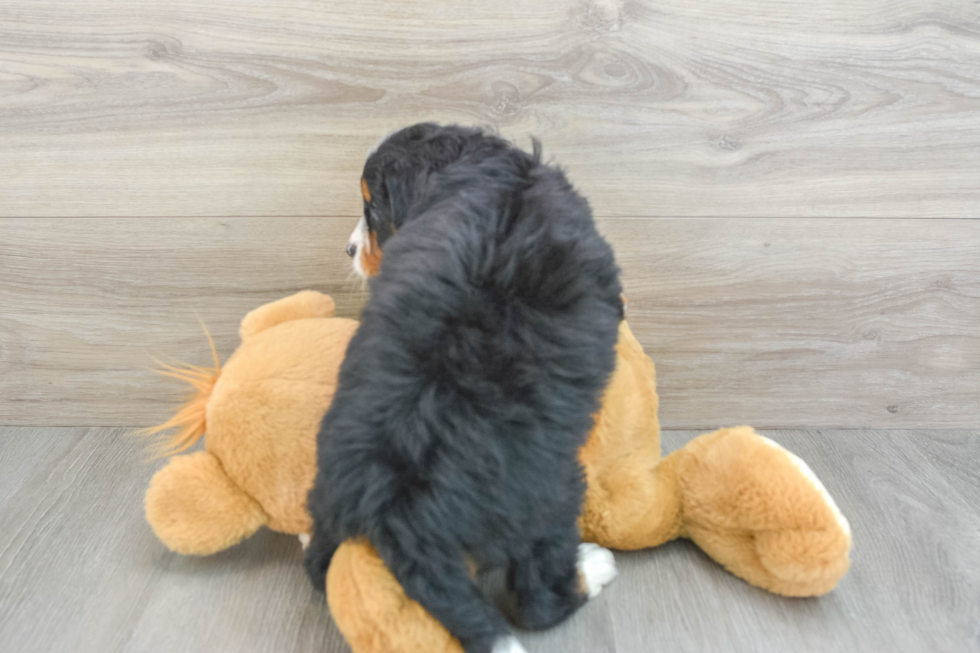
[195, 509]
[374, 613]
[302, 305]
[759, 511]
[634, 504]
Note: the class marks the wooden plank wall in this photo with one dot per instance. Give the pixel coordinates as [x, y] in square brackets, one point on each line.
[792, 188]
[828, 323]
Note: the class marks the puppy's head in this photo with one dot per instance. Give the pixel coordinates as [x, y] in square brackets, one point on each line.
[398, 175]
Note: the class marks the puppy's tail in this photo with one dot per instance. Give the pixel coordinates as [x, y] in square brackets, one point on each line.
[441, 584]
[191, 418]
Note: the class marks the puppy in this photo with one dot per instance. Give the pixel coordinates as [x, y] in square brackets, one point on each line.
[470, 386]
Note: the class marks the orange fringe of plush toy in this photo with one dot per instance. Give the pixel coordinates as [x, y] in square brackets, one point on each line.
[191, 419]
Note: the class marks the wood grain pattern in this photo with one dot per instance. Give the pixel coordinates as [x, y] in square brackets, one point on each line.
[814, 323]
[957, 454]
[81, 571]
[657, 108]
[88, 304]
[800, 323]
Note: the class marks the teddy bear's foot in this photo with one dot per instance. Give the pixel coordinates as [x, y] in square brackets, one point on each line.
[788, 553]
[375, 615]
[761, 512]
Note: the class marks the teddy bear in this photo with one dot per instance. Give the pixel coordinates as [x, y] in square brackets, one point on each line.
[751, 505]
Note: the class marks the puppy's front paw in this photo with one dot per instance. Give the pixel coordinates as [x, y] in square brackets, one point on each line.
[596, 566]
[508, 644]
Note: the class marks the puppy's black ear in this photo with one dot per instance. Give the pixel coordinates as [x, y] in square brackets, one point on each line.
[398, 189]
[536, 150]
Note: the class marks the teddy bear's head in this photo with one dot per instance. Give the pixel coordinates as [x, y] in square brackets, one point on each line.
[261, 413]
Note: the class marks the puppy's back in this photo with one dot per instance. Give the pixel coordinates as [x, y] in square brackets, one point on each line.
[471, 382]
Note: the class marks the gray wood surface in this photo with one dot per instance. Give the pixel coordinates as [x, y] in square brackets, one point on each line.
[81, 571]
[657, 107]
[797, 323]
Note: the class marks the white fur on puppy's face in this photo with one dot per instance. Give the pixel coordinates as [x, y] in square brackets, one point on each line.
[359, 240]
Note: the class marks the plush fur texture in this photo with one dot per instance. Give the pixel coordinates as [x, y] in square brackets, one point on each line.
[261, 412]
[471, 383]
[197, 509]
[751, 505]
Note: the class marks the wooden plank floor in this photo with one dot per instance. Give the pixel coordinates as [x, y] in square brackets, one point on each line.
[81, 571]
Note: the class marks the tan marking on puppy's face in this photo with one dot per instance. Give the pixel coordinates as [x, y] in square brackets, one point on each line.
[363, 243]
[356, 243]
[364, 250]
[370, 256]
[363, 246]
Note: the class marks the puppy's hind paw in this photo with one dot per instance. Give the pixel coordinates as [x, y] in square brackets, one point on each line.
[596, 566]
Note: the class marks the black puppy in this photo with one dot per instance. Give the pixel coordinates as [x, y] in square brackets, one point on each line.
[470, 385]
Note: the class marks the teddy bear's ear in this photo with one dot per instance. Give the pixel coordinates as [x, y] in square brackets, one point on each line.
[302, 305]
[195, 509]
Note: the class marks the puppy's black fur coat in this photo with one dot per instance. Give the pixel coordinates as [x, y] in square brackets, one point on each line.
[470, 385]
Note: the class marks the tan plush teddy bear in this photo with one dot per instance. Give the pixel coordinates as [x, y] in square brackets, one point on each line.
[750, 504]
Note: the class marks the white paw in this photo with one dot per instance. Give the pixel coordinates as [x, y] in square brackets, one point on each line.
[304, 540]
[508, 644]
[597, 566]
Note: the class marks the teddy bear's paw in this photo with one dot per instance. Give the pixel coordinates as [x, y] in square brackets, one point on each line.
[508, 644]
[803, 562]
[760, 511]
[597, 567]
[735, 481]
[815, 483]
